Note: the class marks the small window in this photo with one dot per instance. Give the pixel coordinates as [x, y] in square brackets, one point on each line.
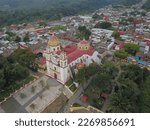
[54, 68]
[54, 49]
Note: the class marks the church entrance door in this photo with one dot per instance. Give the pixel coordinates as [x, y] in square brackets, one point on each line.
[55, 75]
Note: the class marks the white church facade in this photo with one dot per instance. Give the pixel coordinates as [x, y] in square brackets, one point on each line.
[60, 60]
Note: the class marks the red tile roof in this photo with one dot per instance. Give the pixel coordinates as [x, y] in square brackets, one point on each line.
[104, 95]
[80, 65]
[106, 18]
[84, 98]
[73, 52]
[42, 61]
[84, 42]
[147, 40]
[121, 32]
[69, 49]
[39, 51]
[120, 43]
[76, 53]
[25, 47]
[40, 30]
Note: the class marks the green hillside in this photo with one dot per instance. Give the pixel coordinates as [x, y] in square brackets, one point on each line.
[30, 4]
[147, 5]
[18, 11]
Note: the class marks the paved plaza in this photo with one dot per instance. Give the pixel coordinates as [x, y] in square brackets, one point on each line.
[35, 97]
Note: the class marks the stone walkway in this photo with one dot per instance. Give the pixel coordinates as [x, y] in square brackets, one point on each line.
[75, 98]
[1, 110]
[12, 106]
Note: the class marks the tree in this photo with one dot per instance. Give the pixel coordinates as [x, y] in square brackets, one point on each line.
[123, 21]
[83, 33]
[58, 27]
[131, 48]
[2, 80]
[143, 13]
[121, 54]
[103, 25]
[103, 81]
[91, 70]
[11, 34]
[80, 76]
[135, 73]
[96, 16]
[126, 99]
[3, 61]
[22, 56]
[17, 39]
[2, 83]
[116, 35]
[131, 19]
[26, 38]
[120, 104]
[145, 96]
[19, 72]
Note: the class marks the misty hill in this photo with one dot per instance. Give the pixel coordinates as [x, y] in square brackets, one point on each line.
[34, 4]
[147, 5]
[18, 11]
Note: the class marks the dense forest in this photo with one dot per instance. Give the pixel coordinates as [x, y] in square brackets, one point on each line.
[18, 11]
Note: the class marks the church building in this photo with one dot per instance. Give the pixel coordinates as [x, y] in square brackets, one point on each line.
[60, 61]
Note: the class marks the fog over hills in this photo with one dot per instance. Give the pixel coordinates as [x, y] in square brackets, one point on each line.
[18, 11]
[147, 5]
[28, 4]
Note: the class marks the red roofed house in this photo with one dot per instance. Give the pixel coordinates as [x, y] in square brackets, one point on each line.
[147, 40]
[84, 98]
[121, 32]
[118, 45]
[24, 46]
[106, 18]
[60, 60]
[42, 63]
[40, 30]
[104, 95]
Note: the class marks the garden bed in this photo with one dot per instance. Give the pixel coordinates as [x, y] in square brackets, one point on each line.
[73, 88]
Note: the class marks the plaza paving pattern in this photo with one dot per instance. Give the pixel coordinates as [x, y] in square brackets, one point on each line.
[41, 92]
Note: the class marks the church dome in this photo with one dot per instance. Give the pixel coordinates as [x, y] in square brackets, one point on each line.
[53, 41]
[84, 45]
